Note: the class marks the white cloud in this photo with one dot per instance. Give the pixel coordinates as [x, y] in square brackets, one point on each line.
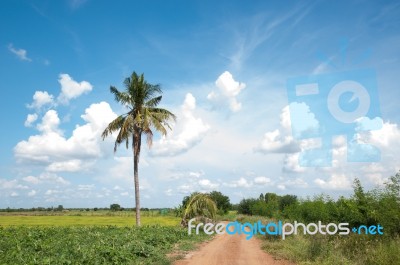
[31, 179]
[229, 89]
[188, 131]
[86, 187]
[53, 178]
[185, 189]
[168, 192]
[303, 121]
[274, 142]
[58, 153]
[31, 193]
[50, 123]
[386, 137]
[14, 194]
[20, 53]
[46, 177]
[40, 99]
[335, 182]
[281, 187]
[30, 119]
[124, 193]
[71, 89]
[207, 184]
[240, 183]
[11, 184]
[262, 180]
[73, 165]
[291, 163]
[367, 124]
[279, 140]
[51, 192]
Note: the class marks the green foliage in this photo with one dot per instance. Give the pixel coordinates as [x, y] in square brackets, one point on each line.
[245, 205]
[89, 245]
[115, 207]
[199, 205]
[222, 201]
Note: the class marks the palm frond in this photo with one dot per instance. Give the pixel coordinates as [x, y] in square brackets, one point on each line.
[124, 133]
[121, 97]
[113, 126]
[200, 204]
[153, 102]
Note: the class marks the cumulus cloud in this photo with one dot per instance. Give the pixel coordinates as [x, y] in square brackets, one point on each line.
[11, 184]
[229, 89]
[262, 180]
[240, 183]
[275, 142]
[303, 121]
[279, 140]
[71, 89]
[206, 184]
[59, 153]
[188, 131]
[31, 179]
[335, 182]
[20, 53]
[31, 193]
[72, 165]
[30, 119]
[40, 99]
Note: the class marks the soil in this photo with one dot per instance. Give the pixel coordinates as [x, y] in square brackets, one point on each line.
[228, 249]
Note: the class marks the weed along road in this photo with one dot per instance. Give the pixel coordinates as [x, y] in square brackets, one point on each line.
[228, 249]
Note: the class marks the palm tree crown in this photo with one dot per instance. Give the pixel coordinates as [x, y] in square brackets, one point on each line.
[141, 99]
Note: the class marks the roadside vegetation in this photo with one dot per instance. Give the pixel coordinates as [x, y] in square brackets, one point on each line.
[92, 244]
[378, 206]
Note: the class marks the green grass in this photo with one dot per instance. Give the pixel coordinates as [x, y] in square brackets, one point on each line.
[352, 249]
[71, 220]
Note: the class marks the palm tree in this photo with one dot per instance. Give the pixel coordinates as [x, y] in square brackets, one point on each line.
[200, 205]
[143, 116]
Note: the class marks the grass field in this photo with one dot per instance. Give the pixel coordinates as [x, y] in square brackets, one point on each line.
[79, 218]
[70, 220]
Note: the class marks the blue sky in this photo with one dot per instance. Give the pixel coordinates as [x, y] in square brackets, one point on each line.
[223, 68]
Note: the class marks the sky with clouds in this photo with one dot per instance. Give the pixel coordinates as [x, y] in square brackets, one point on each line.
[224, 68]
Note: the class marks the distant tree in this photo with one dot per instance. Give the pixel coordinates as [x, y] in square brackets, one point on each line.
[115, 207]
[222, 201]
[260, 207]
[60, 208]
[261, 198]
[286, 201]
[245, 206]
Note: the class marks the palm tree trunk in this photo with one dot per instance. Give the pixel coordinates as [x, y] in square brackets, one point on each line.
[136, 153]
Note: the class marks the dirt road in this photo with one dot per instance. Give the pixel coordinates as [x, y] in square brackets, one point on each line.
[230, 250]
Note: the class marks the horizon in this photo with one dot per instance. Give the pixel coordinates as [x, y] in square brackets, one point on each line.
[224, 70]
